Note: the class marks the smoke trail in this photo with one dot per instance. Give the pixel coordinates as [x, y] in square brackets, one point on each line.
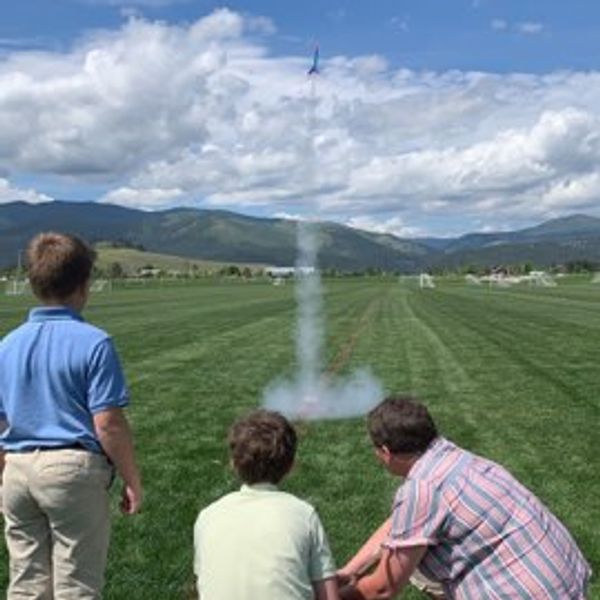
[310, 321]
[311, 394]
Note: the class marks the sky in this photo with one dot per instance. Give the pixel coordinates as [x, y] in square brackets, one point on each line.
[427, 118]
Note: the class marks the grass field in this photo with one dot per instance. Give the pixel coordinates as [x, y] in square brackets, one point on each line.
[512, 374]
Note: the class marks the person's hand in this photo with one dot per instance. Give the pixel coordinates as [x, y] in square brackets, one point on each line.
[131, 499]
[346, 582]
[349, 592]
[345, 578]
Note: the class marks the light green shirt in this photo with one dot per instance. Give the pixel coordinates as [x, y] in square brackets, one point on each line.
[260, 543]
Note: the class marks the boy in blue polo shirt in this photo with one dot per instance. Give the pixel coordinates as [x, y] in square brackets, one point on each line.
[62, 394]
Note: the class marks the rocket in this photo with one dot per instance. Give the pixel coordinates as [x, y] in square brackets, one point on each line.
[314, 69]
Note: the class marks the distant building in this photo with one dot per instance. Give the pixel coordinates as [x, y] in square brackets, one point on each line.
[149, 272]
[287, 272]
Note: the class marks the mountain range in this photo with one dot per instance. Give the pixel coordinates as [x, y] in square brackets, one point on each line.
[232, 237]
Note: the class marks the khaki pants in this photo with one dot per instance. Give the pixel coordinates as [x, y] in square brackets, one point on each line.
[56, 510]
[432, 588]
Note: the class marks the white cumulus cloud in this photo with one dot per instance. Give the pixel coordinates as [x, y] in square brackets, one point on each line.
[10, 193]
[393, 225]
[143, 198]
[204, 114]
[529, 28]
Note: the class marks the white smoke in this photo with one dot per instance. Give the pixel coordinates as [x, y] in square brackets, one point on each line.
[310, 320]
[312, 394]
[329, 397]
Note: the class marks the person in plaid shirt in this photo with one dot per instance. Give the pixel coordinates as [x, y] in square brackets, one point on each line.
[461, 527]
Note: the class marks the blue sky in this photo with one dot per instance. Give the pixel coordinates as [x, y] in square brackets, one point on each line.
[490, 35]
[429, 117]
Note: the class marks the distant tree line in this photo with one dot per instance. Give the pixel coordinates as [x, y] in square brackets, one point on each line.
[120, 243]
[117, 270]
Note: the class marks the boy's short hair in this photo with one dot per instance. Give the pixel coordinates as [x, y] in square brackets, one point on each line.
[58, 264]
[402, 424]
[262, 447]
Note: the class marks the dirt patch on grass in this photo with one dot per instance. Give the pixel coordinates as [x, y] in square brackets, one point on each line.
[344, 354]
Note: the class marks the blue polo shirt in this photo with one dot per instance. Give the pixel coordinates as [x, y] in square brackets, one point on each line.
[56, 372]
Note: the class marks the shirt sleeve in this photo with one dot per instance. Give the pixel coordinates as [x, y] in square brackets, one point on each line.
[418, 516]
[197, 543]
[321, 564]
[106, 382]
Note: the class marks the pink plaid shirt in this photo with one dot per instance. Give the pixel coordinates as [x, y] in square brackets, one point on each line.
[488, 536]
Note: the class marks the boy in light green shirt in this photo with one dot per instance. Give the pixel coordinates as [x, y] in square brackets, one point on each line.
[260, 542]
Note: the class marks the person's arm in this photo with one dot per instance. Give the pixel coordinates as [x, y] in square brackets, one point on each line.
[368, 555]
[3, 425]
[326, 589]
[116, 440]
[391, 575]
[1, 471]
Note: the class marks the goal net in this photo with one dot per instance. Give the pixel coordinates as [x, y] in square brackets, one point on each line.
[17, 287]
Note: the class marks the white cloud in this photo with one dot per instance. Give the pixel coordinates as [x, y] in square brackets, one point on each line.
[524, 28]
[262, 25]
[338, 15]
[572, 192]
[289, 217]
[400, 23]
[203, 114]
[9, 193]
[393, 225]
[148, 199]
[529, 28]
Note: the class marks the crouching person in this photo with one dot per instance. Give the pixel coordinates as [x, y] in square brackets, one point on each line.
[62, 392]
[260, 542]
[461, 527]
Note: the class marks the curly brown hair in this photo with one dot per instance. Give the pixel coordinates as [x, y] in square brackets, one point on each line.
[262, 447]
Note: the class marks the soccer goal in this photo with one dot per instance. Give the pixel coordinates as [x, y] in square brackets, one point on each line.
[541, 279]
[17, 287]
[101, 285]
[426, 281]
[472, 279]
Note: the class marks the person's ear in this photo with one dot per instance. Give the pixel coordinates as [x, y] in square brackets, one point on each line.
[386, 451]
[383, 454]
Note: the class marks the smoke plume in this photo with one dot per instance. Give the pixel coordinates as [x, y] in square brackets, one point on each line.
[310, 393]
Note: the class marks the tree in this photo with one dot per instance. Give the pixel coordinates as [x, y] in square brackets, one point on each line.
[231, 271]
[97, 272]
[116, 271]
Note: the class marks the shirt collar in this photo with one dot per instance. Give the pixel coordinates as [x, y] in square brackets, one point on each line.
[53, 313]
[438, 445]
[259, 487]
